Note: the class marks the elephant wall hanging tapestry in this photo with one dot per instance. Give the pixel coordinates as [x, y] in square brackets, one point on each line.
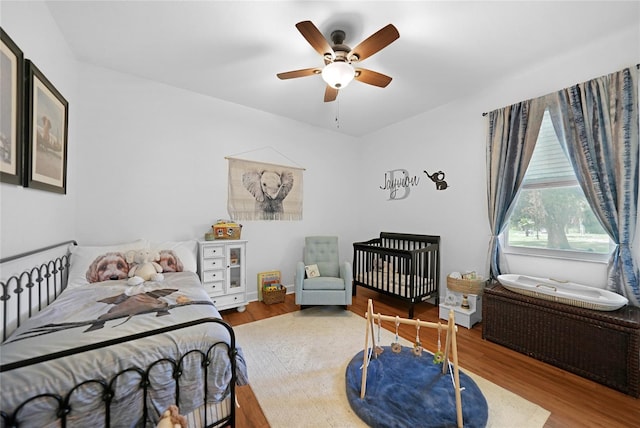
[264, 191]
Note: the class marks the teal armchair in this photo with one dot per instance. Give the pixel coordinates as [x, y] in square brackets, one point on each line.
[335, 283]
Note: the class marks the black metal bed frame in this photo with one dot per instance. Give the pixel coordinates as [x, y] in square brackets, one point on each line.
[50, 277]
[45, 283]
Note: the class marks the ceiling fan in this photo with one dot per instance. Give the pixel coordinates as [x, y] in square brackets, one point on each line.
[340, 59]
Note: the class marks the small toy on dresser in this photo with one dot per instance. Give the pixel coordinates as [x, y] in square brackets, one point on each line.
[227, 229]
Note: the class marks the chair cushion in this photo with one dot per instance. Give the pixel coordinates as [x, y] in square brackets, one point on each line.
[323, 251]
[323, 283]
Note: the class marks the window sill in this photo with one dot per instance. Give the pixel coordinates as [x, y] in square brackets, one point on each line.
[557, 255]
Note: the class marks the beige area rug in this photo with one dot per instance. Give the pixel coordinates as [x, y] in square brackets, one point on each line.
[297, 364]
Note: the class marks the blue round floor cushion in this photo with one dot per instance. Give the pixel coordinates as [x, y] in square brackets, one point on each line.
[405, 390]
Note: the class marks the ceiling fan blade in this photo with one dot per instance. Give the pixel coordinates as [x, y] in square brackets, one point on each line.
[376, 42]
[299, 73]
[372, 77]
[330, 94]
[315, 38]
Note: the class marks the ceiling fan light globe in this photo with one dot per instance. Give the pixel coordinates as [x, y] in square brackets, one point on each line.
[338, 74]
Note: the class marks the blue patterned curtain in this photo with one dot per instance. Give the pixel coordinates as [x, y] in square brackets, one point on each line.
[598, 123]
[511, 137]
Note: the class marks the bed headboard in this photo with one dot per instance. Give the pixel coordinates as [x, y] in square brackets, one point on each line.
[30, 281]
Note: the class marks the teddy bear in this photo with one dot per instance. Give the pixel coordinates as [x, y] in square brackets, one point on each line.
[172, 418]
[143, 266]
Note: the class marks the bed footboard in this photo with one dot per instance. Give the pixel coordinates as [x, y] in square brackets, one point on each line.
[406, 266]
[157, 381]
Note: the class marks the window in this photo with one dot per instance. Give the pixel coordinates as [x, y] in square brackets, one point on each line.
[551, 215]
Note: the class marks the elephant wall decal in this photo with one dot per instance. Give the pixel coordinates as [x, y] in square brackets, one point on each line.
[438, 178]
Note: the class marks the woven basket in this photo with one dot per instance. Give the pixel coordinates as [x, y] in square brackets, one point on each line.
[274, 296]
[466, 286]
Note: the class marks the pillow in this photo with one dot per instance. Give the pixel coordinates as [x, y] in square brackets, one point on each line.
[177, 256]
[83, 257]
[312, 271]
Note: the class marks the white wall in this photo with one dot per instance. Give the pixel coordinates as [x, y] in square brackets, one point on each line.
[32, 218]
[147, 160]
[452, 139]
[153, 165]
[449, 139]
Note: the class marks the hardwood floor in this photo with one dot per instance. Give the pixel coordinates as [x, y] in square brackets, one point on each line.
[572, 400]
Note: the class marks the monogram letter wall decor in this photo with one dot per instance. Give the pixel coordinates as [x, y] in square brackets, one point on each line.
[393, 183]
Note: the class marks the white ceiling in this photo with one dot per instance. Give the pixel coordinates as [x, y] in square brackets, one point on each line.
[232, 50]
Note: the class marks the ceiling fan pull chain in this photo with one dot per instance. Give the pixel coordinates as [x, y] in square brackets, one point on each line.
[338, 114]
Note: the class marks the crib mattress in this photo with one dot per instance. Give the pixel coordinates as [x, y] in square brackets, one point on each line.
[394, 282]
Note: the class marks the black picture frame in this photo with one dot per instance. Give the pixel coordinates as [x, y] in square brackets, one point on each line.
[11, 110]
[47, 118]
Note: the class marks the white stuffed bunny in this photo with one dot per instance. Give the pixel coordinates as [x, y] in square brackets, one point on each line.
[143, 266]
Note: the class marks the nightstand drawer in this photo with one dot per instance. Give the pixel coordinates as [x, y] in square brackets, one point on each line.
[212, 275]
[209, 252]
[214, 288]
[230, 299]
[208, 264]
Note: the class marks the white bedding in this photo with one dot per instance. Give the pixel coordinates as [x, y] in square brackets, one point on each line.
[104, 310]
[395, 282]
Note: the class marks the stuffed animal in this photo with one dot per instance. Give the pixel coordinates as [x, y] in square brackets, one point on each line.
[143, 266]
[172, 418]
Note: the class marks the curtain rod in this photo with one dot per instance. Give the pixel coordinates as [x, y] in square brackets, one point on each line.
[486, 113]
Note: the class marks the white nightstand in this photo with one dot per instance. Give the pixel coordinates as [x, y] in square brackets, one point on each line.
[222, 270]
[464, 317]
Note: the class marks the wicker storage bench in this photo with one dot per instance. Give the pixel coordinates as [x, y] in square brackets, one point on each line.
[601, 346]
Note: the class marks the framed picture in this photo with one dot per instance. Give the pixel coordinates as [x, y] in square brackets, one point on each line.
[11, 110]
[47, 127]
